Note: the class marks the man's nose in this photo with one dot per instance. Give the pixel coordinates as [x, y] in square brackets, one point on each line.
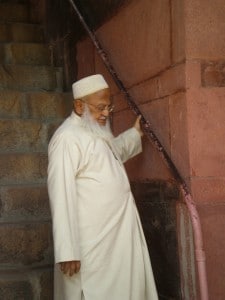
[105, 112]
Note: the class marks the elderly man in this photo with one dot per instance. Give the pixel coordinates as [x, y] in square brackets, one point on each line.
[100, 250]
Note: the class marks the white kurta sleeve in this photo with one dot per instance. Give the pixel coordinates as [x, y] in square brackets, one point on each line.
[128, 144]
[64, 160]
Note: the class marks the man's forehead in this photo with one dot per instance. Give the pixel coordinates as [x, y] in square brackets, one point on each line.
[100, 96]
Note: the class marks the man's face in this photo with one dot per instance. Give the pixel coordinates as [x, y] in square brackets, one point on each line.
[99, 105]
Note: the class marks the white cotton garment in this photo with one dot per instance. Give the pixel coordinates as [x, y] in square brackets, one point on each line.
[95, 219]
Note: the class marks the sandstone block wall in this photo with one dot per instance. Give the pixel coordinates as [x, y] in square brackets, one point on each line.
[170, 56]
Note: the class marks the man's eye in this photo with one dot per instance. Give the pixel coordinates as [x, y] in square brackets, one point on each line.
[100, 107]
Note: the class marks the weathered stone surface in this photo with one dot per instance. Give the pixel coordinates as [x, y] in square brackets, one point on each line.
[208, 189]
[24, 53]
[213, 222]
[143, 49]
[22, 135]
[46, 283]
[206, 131]
[23, 168]
[193, 74]
[213, 73]
[85, 56]
[146, 91]
[20, 32]
[25, 78]
[157, 113]
[177, 31]
[172, 81]
[20, 12]
[179, 133]
[15, 290]
[11, 104]
[204, 27]
[24, 202]
[120, 103]
[156, 202]
[47, 106]
[25, 244]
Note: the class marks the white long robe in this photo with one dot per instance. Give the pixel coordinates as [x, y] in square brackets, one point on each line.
[94, 216]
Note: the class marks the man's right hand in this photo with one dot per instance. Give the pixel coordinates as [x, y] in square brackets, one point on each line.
[70, 267]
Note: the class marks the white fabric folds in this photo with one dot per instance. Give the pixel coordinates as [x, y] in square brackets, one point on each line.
[95, 219]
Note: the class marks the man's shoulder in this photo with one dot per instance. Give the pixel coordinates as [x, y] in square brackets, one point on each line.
[71, 131]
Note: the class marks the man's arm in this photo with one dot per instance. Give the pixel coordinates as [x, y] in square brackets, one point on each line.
[128, 143]
[64, 160]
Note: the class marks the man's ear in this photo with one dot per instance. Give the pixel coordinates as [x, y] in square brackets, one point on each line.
[78, 106]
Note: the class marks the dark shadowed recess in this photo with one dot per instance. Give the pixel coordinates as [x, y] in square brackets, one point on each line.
[156, 203]
[62, 18]
[63, 28]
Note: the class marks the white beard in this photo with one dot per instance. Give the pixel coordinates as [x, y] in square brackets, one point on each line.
[92, 125]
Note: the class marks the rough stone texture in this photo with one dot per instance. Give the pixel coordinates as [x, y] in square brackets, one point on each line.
[25, 244]
[24, 203]
[25, 53]
[46, 283]
[156, 202]
[11, 104]
[213, 74]
[20, 32]
[204, 26]
[193, 74]
[15, 290]
[172, 81]
[44, 106]
[22, 135]
[208, 189]
[85, 49]
[146, 91]
[42, 78]
[146, 17]
[206, 116]
[177, 31]
[20, 12]
[213, 222]
[156, 111]
[48, 106]
[178, 133]
[23, 168]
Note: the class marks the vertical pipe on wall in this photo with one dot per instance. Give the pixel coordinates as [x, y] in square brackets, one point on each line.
[198, 241]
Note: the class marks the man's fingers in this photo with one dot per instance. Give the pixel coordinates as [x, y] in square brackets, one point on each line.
[70, 267]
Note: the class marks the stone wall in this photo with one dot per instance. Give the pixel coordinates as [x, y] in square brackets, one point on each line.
[205, 113]
[170, 56]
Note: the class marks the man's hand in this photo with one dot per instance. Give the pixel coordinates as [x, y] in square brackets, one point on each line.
[70, 267]
[137, 125]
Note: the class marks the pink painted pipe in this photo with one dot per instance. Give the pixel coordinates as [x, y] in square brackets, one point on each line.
[198, 241]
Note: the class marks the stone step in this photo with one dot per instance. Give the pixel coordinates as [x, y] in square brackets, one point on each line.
[21, 32]
[23, 135]
[24, 54]
[14, 12]
[23, 168]
[25, 244]
[29, 284]
[27, 78]
[45, 106]
[24, 203]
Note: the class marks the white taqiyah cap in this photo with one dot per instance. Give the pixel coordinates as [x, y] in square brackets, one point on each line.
[88, 85]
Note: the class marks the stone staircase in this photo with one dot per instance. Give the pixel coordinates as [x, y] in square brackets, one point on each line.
[32, 104]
